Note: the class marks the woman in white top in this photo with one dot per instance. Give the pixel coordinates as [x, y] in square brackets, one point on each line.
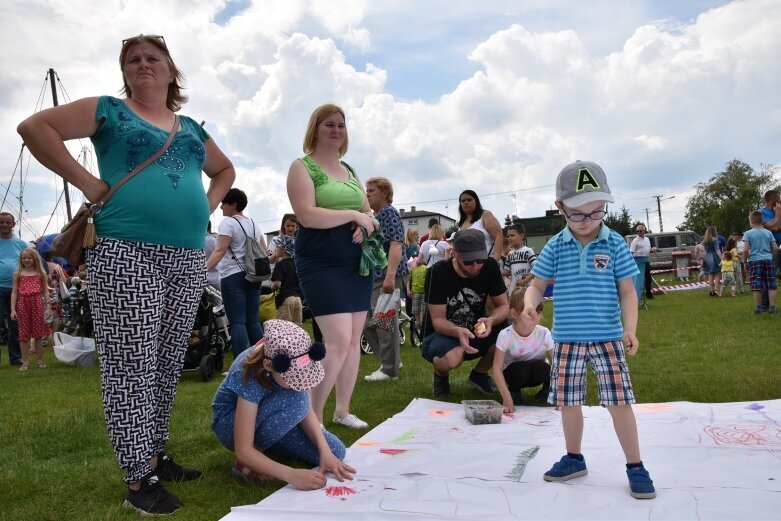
[240, 297]
[434, 249]
[472, 215]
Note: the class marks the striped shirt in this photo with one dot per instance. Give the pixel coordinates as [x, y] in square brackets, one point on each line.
[585, 292]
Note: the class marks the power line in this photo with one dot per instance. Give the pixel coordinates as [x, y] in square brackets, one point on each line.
[450, 199]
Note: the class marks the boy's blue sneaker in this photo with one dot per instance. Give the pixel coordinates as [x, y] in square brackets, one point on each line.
[641, 486]
[566, 468]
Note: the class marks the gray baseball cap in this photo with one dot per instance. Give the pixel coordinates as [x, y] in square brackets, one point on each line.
[582, 182]
[470, 244]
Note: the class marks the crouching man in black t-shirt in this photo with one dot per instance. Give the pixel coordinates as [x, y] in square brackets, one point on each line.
[457, 325]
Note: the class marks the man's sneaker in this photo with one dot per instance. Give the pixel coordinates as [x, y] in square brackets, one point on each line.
[482, 382]
[441, 386]
[152, 498]
[168, 470]
[249, 475]
[566, 468]
[772, 310]
[641, 486]
[379, 376]
[351, 421]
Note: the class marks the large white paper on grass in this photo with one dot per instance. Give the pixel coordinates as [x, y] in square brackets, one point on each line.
[708, 461]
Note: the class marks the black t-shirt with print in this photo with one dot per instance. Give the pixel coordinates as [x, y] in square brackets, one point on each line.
[465, 298]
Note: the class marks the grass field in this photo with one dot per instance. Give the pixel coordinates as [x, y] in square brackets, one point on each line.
[56, 462]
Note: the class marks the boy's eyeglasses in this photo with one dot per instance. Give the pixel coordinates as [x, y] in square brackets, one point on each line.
[473, 262]
[140, 37]
[576, 217]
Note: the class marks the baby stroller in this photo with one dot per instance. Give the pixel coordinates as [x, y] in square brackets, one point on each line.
[77, 317]
[210, 338]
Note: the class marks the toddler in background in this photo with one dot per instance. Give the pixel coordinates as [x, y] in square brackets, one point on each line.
[728, 273]
[415, 289]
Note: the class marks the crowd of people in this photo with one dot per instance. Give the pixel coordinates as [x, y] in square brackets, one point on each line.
[477, 295]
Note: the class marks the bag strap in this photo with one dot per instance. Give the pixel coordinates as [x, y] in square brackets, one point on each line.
[103, 200]
[246, 238]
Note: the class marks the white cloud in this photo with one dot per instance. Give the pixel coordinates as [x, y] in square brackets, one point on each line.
[652, 142]
[668, 104]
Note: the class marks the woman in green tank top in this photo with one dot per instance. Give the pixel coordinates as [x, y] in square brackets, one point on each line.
[332, 212]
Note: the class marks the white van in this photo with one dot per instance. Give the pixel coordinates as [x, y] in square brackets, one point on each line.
[668, 242]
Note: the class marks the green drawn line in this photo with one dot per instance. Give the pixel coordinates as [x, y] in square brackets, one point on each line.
[516, 473]
[406, 436]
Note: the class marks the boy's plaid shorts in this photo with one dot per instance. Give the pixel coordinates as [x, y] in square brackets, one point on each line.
[762, 275]
[568, 373]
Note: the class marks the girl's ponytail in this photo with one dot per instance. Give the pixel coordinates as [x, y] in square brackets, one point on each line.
[253, 366]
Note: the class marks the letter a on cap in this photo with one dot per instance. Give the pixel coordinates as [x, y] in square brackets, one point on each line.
[585, 179]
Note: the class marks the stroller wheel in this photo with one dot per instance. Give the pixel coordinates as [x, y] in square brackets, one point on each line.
[366, 348]
[218, 349]
[206, 368]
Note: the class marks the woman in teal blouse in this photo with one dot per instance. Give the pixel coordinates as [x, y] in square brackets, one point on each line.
[147, 272]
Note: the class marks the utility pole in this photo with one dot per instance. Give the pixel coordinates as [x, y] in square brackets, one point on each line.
[659, 208]
[647, 220]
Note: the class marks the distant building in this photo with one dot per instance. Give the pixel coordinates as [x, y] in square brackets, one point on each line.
[540, 229]
[418, 219]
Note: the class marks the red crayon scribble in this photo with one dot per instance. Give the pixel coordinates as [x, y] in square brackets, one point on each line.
[339, 491]
[743, 435]
[439, 412]
[393, 452]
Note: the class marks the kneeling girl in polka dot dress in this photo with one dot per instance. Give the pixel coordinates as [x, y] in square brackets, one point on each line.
[262, 410]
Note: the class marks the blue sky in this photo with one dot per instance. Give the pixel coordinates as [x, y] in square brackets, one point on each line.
[493, 96]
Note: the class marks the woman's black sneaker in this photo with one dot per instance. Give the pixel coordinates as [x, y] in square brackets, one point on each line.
[168, 470]
[152, 498]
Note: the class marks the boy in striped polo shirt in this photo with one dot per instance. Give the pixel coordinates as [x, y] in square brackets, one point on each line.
[593, 294]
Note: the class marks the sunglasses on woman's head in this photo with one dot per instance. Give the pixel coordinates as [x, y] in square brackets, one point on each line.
[141, 37]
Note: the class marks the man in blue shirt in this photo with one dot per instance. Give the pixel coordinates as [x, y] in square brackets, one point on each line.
[10, 248]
